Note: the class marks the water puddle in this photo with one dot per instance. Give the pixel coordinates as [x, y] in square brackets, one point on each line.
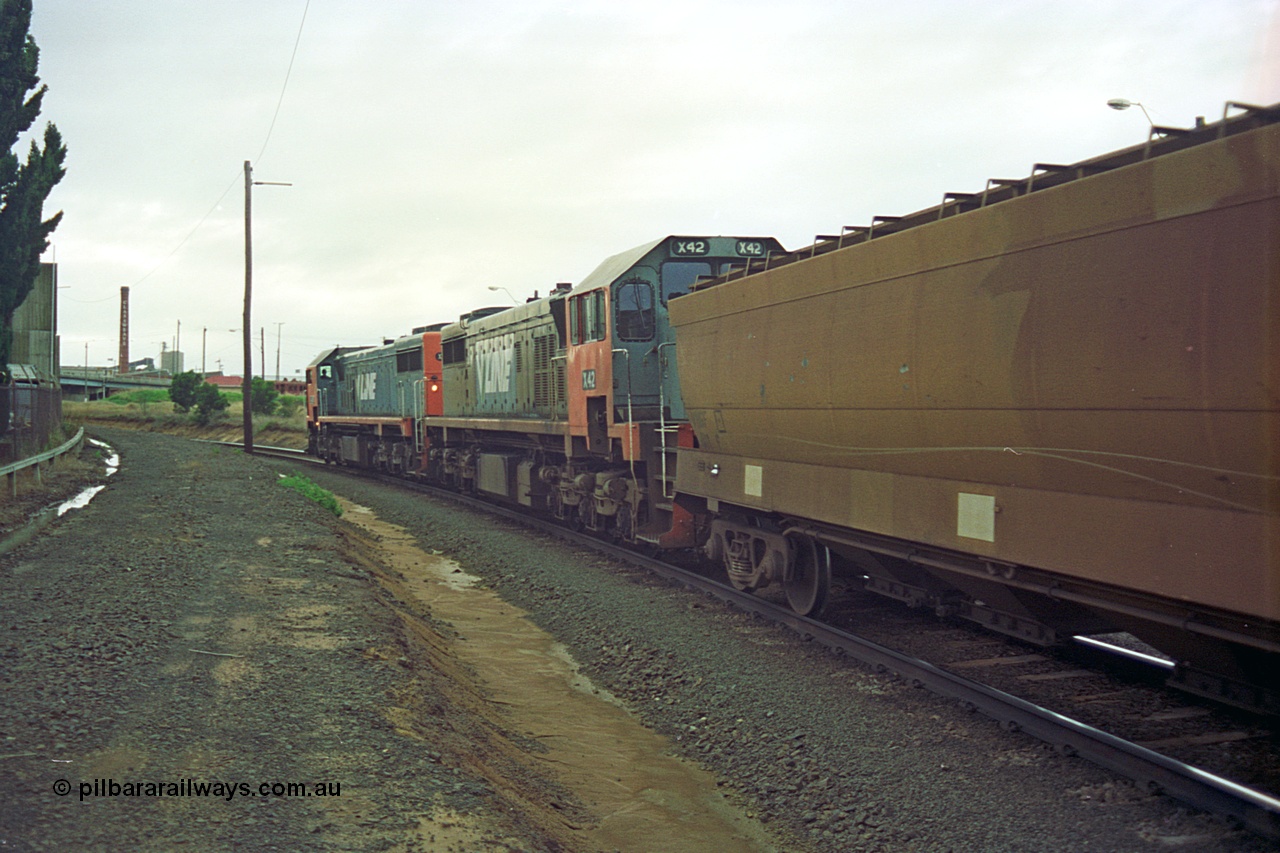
[112, 461]
[642, 796]
[79, 501]
[110, 458]
[49, 514]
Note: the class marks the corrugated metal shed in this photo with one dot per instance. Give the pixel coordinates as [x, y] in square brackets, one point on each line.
[35, 324]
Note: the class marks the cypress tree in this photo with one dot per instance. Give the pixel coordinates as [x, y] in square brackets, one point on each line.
[23, 186]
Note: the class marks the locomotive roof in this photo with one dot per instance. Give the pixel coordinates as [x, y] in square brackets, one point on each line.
[487, 318]
[612, 267]
[608, 271]
[602, 276]
[332, 352]
[399, 344]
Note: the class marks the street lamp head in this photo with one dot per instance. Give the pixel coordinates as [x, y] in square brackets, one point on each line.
[1125, 103]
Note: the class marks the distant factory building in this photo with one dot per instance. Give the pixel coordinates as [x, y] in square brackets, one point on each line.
[171, 360]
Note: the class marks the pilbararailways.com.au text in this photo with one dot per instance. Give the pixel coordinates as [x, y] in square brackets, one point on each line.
[196, 788]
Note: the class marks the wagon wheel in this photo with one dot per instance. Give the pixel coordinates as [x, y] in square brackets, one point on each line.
[810, 580]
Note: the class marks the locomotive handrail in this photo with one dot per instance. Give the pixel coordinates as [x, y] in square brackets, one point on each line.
[662, 419]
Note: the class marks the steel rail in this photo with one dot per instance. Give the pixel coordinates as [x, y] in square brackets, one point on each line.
[1254, 810]
[1257, 811]
[267, 450]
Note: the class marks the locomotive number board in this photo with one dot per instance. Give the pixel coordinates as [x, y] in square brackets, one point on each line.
[682, 247]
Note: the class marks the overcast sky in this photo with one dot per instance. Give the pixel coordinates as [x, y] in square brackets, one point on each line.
[437, 147]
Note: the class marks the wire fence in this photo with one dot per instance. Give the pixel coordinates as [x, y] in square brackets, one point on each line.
[29, 416]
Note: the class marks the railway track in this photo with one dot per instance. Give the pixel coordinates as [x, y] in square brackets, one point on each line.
[1014, 681]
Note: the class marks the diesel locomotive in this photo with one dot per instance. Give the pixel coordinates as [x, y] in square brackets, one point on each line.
[568, 404]
[1051, 406]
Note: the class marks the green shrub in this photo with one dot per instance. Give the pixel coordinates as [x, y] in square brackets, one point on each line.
[288, 405]
[182, 390]
[303, 486]
[209, 404]
[263, 396]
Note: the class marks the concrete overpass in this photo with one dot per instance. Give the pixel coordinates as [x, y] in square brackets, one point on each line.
[99, 382]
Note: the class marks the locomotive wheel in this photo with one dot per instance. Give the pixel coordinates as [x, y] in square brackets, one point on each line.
[810, 580]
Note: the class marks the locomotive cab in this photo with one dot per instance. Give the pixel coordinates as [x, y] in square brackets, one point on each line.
[323, 377]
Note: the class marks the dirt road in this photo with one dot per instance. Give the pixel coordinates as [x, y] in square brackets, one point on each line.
[203, 659]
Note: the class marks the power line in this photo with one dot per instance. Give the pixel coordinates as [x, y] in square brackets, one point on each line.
[190, 234]
[235, 180]
[284, 87]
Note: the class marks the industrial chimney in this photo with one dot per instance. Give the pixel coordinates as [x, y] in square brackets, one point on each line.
[122, 363]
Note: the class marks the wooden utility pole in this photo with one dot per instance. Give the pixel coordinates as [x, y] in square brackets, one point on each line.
[246, 386]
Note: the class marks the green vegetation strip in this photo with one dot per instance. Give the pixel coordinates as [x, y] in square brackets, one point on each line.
[321, 496]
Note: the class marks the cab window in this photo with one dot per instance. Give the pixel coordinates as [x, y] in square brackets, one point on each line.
[679, 276]
[633, 301]
[587, 318]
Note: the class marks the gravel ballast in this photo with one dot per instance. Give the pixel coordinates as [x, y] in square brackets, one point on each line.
[843, 758]
[196, 621]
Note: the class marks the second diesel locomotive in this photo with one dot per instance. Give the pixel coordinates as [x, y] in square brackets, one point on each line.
[569, 403]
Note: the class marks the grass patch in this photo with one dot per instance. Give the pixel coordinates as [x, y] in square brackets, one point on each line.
[290, 429]
[305, 487]
[139, 396]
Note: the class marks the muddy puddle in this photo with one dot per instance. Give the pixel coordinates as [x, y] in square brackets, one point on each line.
[46, 516]
[641, 796]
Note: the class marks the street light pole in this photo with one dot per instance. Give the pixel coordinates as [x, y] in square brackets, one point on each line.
[279, 323]
[497, 287]
[1125, 103]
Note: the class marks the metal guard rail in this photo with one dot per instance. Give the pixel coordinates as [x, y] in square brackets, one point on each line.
[12, 469]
